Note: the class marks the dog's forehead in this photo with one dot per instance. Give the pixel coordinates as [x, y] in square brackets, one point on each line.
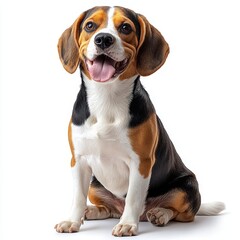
[117, 15]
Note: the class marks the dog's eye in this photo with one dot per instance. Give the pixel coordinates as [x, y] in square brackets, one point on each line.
[90, 26]
[125, 28]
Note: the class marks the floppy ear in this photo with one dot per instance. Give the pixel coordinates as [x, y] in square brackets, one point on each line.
[153, 49]
[68, 46]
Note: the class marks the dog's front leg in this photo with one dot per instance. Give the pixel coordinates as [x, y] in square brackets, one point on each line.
[81, 179]
[134, 204]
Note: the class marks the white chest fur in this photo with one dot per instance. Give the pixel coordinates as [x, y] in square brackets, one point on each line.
[103, 140]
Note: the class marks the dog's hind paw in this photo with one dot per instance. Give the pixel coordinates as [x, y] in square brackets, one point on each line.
[159, 216]
[94, 212]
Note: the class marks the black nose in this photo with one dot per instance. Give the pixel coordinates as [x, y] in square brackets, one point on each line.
[104, 40]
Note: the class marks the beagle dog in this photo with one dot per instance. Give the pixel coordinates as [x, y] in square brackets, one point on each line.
[123, 160]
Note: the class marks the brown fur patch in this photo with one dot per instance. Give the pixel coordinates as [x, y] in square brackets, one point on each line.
[153, 49]
[179, 204]
[129, 41]
[73, 160]
[144, 140]
[94, 198]
[178, 201]
[99, 18]
[175, 200]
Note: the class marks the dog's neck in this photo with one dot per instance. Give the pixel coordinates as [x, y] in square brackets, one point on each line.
[109, 102]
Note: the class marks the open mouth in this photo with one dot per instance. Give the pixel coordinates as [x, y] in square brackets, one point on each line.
[104, 68]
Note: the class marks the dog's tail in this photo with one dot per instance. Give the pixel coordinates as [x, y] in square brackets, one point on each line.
[210, 209]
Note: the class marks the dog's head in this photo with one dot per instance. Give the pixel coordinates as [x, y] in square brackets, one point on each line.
[110, 43]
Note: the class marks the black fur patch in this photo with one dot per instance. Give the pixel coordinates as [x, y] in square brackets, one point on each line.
[169, 172]
[80, 109]
[141, 106]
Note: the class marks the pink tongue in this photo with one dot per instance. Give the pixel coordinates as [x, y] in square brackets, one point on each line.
[101, 69]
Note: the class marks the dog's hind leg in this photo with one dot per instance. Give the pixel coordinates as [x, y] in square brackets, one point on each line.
[180, 203]
[105, 204]
[97, 212]
[100, 212]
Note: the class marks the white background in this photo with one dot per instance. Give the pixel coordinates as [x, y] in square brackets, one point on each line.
[196, 94]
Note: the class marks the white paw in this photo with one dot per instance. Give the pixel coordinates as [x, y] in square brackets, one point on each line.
[159, 216]
[67, 227]
[125, 230]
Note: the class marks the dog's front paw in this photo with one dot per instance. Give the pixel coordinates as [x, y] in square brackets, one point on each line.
[67, 227]
[125, 230]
